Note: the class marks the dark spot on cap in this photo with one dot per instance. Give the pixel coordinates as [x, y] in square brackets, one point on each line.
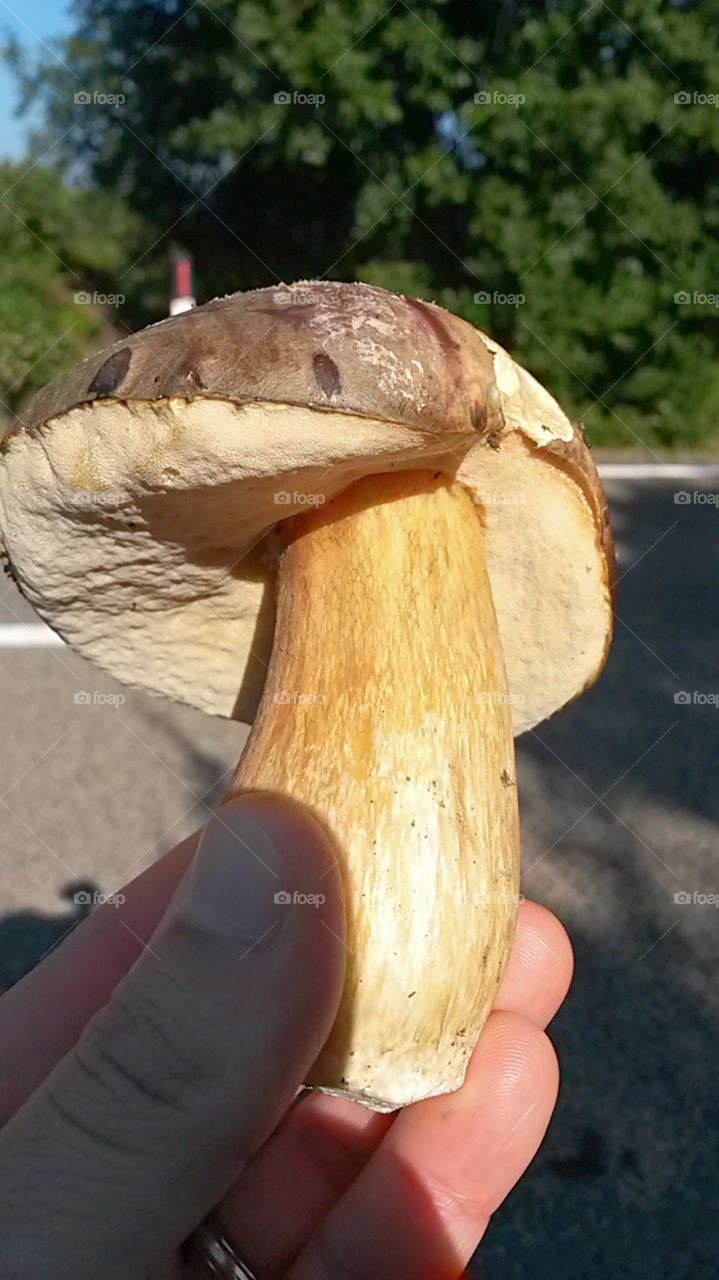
[327, 375]
[111, 373]
[478, 414]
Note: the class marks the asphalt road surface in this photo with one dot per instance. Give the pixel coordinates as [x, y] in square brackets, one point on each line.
[620, 806]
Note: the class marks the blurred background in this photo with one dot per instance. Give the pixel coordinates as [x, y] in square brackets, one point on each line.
[550, 173]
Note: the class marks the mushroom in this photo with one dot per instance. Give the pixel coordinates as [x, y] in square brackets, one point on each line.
[352, 518]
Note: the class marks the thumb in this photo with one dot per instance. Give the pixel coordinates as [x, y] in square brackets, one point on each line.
[143, 1127]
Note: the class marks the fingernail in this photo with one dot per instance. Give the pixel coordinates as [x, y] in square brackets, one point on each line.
[237, 882]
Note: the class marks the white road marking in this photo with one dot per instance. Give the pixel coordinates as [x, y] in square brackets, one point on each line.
[659, 470]
[28, 635]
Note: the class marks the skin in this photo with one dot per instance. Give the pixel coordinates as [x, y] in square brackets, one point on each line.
[324, 1188]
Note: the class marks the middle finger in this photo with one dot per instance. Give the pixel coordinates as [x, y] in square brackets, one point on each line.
[288, 1187]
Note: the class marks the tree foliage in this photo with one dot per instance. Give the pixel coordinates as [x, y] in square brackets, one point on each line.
[57, 247]
[468, 153]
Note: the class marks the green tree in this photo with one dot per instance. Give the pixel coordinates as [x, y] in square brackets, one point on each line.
[58, 247]
[575, 184]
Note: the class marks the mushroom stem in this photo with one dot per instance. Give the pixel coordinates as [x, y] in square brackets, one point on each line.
[386, 713]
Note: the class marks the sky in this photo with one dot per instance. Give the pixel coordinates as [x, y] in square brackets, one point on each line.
[32, 22]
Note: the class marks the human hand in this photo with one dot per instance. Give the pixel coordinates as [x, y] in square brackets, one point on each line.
[150, 1063]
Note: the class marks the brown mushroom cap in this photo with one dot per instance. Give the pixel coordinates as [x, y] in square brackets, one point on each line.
[142, 495]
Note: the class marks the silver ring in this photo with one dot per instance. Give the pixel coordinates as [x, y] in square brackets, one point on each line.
[209, 1245]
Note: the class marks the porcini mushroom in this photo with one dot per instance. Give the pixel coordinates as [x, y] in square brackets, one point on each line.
[350, 517]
